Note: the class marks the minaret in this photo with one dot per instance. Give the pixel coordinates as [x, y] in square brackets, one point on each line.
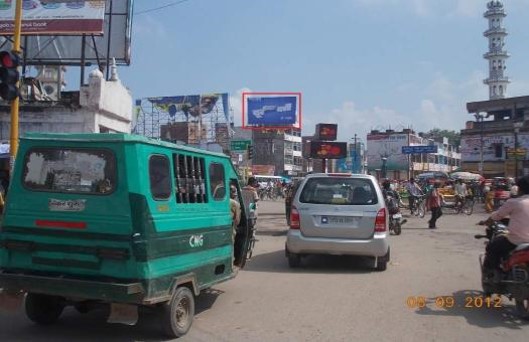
[496, 56]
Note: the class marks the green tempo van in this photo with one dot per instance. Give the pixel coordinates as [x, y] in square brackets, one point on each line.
[118, 219]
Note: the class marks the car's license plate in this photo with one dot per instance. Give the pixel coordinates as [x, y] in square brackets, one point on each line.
[337, 219]
[396, 216]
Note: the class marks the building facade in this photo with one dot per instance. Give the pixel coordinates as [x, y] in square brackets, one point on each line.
[277, 152]
[385, 158]
[496, 142]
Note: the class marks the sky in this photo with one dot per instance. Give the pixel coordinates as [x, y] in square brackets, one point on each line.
[364, 64]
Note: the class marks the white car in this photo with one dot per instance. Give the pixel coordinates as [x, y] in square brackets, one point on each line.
[339, 214]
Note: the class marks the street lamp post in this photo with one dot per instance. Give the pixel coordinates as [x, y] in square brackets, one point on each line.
[517, 126]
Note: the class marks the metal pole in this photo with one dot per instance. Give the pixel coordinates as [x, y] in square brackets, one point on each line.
[13, 148]
[480, 118]
[354, 162]
[516, 153]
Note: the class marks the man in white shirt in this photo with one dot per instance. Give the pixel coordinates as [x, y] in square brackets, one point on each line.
[518, 230]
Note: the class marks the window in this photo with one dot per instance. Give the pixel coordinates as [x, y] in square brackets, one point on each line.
[159, 174]
[190, 179]
[217, 181]
[498, 150]
[338, 191]
[72, 170]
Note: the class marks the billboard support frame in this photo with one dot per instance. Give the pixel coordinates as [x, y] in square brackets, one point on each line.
[36, 54]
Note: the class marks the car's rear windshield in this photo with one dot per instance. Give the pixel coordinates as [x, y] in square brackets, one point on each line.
[339, 191]
[70, 170]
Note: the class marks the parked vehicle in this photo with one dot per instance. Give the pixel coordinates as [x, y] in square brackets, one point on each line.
[514, 280]
[340, 214]
[118, 220]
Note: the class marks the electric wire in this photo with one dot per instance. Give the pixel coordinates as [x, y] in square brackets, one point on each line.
[174, 3]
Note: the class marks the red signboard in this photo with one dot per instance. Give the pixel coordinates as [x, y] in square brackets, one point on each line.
[328, 149]
[326, 131]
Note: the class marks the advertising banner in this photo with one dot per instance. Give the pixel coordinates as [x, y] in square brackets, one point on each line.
[193, 105]
[326, 132]
[61, 17]
[381, 146]
[328, 150]
[272, 111]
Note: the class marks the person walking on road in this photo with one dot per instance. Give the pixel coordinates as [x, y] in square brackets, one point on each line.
[433, 203]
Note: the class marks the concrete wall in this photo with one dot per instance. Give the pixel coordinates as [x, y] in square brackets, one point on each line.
[102, 104]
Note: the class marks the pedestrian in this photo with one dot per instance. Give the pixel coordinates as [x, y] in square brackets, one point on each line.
[235, 209]
[489, 198]
[433, 203]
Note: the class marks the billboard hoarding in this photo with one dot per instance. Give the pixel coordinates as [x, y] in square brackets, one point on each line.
[327, 132]
[193, 105]
[328, 150]
[68, 49]
[272, 110]
[54, 17]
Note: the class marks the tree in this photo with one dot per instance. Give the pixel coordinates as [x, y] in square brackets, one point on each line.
[436, 134]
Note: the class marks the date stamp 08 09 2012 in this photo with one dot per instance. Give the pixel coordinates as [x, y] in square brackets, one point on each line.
[447, 302]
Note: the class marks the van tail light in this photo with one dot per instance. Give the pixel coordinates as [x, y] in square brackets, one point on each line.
[380, 221]
[294, 218]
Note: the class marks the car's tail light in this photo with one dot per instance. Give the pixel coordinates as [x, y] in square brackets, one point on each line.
[294, 218]
[380, 221]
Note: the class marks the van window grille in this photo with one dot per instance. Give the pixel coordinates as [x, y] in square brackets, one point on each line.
[190, 181]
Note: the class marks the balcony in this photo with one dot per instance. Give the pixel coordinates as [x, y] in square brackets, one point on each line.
[496, 30]
[493, 54]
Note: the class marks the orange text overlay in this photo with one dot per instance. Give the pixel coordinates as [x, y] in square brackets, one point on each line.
[447, 302]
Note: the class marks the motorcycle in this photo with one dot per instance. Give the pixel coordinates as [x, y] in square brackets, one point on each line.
[513, 281]
[395, 216]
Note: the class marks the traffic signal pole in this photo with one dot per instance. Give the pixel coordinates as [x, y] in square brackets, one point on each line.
[13, 148]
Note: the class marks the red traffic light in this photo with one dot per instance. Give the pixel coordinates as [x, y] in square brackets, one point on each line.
[9, 59]
[9, 62]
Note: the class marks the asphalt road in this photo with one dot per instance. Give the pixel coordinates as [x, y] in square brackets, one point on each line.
[330, 298]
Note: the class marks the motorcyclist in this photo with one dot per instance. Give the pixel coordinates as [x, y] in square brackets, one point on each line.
[518, 229]
[414, 191]
[389, 194]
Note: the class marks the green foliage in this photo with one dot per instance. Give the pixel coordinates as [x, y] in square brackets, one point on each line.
[454, 138]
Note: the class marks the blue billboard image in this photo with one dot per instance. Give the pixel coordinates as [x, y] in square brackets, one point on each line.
[272, 110]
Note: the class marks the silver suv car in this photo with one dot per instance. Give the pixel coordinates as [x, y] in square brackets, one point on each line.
[339, 214]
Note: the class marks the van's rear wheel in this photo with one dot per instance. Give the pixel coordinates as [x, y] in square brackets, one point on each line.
[178, 313]
[522, 308]
[43, 309]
